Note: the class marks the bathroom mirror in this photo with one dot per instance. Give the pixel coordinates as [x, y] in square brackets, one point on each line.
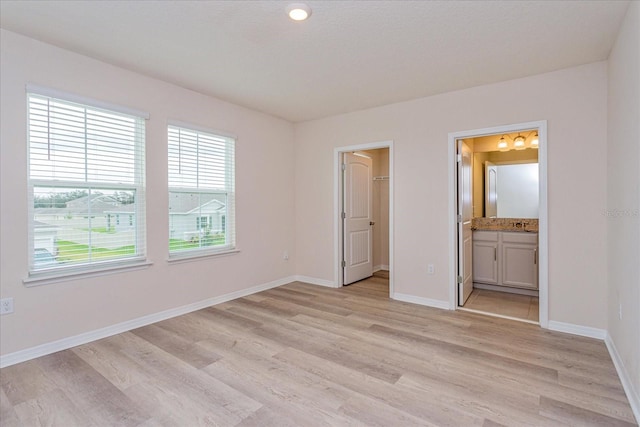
[511, 190]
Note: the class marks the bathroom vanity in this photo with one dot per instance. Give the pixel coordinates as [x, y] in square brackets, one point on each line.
[506, 259]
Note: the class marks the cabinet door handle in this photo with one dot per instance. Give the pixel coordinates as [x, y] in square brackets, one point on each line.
[535, 256]
[495, 254]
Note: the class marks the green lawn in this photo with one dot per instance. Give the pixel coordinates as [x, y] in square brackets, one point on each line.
[179, 245]
[100, 230]
[75, 252]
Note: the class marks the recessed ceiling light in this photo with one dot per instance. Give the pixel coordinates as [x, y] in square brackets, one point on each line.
[298, 11]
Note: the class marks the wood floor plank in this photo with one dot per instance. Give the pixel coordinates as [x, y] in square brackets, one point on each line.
[180, 381]
[180, 346]
[491, 423]
[106, 358]
[277, 384]
[398, 397]
[25, 381]
[331, 349]
[320, 307]
[8, 414]
[266, 416]
[471, 354]
[564, 412]
[307, 355]
[359, 407]
[53, 408]
[101, 402]
[514, 409]
[607, 386]
[172, 405]
[227, 318]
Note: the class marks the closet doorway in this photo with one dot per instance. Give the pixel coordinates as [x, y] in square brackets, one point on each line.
[364, 218]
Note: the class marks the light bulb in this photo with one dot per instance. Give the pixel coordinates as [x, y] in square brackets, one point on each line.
[535, 142]
[298, 11]
[502, 145]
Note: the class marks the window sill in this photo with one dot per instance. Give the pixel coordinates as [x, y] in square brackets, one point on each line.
[46, 278]
[190, 257]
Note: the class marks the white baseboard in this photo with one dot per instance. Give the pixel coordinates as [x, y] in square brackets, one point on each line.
[66, 343]
[633, 395]
[421, 301]
[381, 267]
[584, 331]
[315, 281]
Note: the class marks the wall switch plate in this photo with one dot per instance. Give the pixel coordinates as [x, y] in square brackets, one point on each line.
[285, 255]
[431, 269]
[6, 306]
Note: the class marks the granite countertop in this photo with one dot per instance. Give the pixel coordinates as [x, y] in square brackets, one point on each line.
[527, 225]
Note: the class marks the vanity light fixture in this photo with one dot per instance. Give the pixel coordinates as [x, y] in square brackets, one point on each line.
[520, 142]
[298, 11]
[503, 145]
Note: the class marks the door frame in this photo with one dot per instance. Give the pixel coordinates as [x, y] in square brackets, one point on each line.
[543, 221]
[338, 207]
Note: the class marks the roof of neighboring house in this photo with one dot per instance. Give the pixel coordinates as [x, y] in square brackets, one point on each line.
[122, 209]
[179, 204]
[42, 227]
[187, 203]
[96, 203]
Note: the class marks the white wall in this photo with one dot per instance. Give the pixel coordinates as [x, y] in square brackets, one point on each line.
[574, 102]
[264, 204]
[623, 201]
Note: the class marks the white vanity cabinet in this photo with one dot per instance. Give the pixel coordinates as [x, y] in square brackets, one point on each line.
[519, 260]
[505, 258]
[485, 257]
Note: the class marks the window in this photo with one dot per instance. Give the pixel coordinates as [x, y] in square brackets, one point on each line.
[86, 167]
[202, 222]
[201, 192]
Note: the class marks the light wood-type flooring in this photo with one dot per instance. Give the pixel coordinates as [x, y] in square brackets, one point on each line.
[505, 304]
[304, 355]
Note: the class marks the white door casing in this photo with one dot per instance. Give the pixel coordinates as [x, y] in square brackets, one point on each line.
[465, 215]
[358, 218]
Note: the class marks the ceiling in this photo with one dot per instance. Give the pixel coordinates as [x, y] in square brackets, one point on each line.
[349, 55]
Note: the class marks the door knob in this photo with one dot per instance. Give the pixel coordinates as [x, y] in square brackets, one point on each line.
[372, 222]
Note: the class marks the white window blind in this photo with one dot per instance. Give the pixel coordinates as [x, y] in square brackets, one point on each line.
[86, 182]
[201, 191]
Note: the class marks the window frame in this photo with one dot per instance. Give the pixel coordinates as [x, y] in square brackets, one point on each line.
[230, 245]
[57, 273]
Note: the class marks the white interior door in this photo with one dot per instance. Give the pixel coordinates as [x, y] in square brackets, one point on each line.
[465, 215]
[358, 218]
[491, 190]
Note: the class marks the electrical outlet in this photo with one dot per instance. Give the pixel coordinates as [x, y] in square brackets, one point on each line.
[285, 255]
[6, 306]
[431, 269]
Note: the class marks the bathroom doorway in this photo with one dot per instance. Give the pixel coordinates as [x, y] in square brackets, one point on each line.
[499, 234]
